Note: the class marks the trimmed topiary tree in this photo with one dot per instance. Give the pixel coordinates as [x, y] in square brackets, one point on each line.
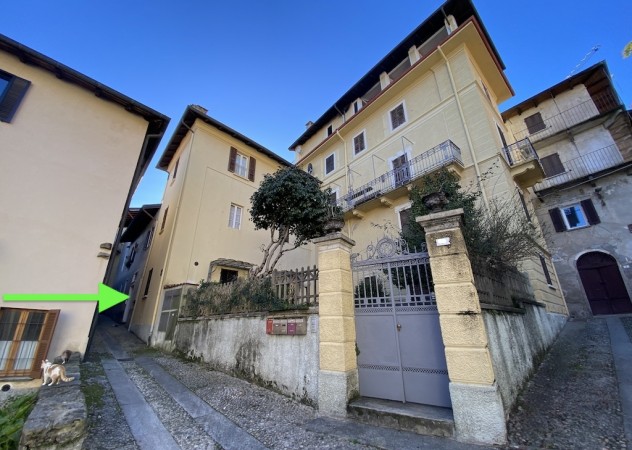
[288, 203]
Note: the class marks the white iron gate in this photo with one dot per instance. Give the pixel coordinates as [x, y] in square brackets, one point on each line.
[401, 353]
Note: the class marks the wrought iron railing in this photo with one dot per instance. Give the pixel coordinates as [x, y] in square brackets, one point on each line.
[440, 156]
[583, 166]
[571, 117]
[519, 152]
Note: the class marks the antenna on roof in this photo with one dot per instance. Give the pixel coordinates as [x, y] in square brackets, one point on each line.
[584, 59]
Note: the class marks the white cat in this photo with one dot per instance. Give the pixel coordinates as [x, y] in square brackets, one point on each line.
[54, 373]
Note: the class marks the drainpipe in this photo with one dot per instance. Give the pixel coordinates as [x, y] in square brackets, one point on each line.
[346, 161]
[173, 229]
[346, 168]
[467, 131]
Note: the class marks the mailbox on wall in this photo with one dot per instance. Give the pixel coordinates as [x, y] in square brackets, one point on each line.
[291, 326]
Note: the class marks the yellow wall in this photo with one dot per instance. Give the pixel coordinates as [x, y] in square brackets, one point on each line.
[443, 100]
[68, 160]
[197, 228]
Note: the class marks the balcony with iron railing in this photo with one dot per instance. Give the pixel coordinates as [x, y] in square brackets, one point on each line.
[567, 119]
[523, 161]
[583, 166]
[443, 155]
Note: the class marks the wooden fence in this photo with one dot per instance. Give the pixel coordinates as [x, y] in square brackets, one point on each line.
[297, 287]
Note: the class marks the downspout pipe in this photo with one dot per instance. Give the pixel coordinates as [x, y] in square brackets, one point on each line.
[465, 127]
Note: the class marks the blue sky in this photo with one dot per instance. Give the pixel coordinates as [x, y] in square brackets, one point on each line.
[266, 68]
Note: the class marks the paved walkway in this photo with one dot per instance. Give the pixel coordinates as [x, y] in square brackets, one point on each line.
[144, 399]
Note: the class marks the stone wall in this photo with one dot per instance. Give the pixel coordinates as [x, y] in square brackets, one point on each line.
[516, 342]
[59, 419]
[239, 345]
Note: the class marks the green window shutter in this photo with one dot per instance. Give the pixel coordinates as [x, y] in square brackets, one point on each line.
[12, 96]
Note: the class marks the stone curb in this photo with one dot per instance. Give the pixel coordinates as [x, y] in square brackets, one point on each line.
[59, 418]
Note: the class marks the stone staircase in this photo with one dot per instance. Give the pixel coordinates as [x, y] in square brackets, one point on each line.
[420, 419]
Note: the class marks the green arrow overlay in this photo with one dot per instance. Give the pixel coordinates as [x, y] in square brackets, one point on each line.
[107, 297]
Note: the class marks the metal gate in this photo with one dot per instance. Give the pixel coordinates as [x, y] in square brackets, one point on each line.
[400, 350]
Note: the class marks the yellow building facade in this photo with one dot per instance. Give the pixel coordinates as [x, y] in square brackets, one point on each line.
[203, 231]
[73, 150]
[432, 102]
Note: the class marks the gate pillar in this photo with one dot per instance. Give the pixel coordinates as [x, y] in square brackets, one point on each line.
[338, 375]
[476, 402]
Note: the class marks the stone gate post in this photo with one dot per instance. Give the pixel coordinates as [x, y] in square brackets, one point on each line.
[338, 375]
[476, 402]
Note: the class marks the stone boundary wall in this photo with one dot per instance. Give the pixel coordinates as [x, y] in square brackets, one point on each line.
[59, 419]
[239, 345]
[517, 342]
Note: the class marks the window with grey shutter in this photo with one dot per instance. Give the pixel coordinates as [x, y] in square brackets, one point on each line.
[329, 164]
[552, 165]
[12, 90]
[534, 123]
[359, 143]
[398, 116]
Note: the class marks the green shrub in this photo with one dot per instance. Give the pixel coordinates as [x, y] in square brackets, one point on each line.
[242, 295]
[12, 418]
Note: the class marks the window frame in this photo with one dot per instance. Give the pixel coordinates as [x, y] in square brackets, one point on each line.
[45, 336]
[333, 169]
[241, 165]
[552, 163]
[364, 142]
[250, 166]
[12, 95]
[390, 117]
[560, 221]
[232, 222]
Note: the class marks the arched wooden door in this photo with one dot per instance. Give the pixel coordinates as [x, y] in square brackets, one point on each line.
[603, 284]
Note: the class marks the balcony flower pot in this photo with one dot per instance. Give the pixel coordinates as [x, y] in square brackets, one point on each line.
[335, 221]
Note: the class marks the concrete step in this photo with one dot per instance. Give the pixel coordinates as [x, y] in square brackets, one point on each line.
[420, 419]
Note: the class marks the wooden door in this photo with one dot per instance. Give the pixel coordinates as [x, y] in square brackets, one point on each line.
[603, 284]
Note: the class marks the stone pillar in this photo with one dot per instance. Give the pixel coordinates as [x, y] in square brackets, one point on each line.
[476, 402]
[338, 375]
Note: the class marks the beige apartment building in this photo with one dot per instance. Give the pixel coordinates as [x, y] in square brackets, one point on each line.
[203, 231]
[432, 102]
[73, 151]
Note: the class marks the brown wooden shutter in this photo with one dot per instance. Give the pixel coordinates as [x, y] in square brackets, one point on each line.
[552, 165]
[534, 123]
[556, 218]
[232, 159]
[590, 211]
[251, 169]
[46, 336]
[13, 96]
[524, 205]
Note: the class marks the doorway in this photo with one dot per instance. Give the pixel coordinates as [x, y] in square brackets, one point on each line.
[603, 284]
